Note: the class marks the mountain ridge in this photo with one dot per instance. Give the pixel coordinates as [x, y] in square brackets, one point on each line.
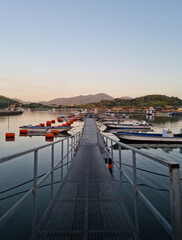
[81, 99]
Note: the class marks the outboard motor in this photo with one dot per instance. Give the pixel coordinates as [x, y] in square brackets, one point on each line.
[144, 122]
[134, 122]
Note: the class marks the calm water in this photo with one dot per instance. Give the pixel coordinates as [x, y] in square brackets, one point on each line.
[20, 170]
[155, 187]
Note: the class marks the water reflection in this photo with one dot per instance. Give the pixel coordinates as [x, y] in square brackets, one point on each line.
[167, 148]
[156, 119]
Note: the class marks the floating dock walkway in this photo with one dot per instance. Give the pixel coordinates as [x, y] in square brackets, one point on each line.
[88, 204]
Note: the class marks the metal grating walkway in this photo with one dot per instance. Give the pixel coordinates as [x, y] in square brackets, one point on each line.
[87, 205]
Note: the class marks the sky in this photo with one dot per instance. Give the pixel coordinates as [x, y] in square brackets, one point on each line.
[56, 48]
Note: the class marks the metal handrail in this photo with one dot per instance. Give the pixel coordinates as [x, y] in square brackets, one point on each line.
[71, 149]
[174, 229]
[19, 154]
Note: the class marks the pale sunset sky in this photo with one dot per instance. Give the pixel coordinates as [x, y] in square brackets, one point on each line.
[65, 48]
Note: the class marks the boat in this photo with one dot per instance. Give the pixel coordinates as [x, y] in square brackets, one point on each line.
[41, 129]
[133, 125]
[32, 134]
[110, 117]
[70, 117]
[166, 137]
[11, 112]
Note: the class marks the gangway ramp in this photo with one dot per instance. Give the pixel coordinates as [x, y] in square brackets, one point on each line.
[88, 204]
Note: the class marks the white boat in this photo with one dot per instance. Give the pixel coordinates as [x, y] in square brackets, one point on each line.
[166, 137]
[11, 112]
[133, 125]
[38, 129]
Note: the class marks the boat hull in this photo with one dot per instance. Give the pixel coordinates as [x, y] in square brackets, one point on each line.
[10, 112]
[46, 130]
[126, 126]
[149, 139]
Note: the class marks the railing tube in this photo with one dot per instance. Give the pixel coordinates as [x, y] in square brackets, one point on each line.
[52, 170]
[135, 192]
[175, 201]
[67, 152]
[74, 146]
[112, 158]
[120, 159]
[61, 160]
[71, 148]
[34, 191]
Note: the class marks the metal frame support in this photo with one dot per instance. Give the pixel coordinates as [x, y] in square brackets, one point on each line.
[135, 192]
[120, 159]
[176, 217]
[71, 148]
[36, 183]
[61, 160]
[175, 228]
[52, 170]
[67, 152]
[34, 191]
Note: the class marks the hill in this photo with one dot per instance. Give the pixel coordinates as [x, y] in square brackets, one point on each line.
[82, 99]
[145, 101]
[6, 102]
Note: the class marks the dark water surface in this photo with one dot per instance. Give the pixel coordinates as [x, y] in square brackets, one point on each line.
[19, 170]
[154, 186]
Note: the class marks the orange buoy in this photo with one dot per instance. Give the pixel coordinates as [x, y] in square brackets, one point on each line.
[42, 124]
[52, 121]
[49, 135]
[59, 119]
[54, 131]
[10, 139]
[10, 135]
[48, 123]
[49, 139]
[23, 131]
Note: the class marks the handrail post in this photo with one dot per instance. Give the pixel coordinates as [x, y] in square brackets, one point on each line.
[67, 152]
[34, 191]
[71, 148]
[112, 158]
[74, 145]
[52, 169]
[135, 192]
[107, 142]
[120, 159]
[176, 218]
[61, 160]
[112, 150]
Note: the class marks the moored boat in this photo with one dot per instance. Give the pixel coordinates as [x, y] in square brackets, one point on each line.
[11, 112]
[133, 125]
[41, 129]
[166, 137]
